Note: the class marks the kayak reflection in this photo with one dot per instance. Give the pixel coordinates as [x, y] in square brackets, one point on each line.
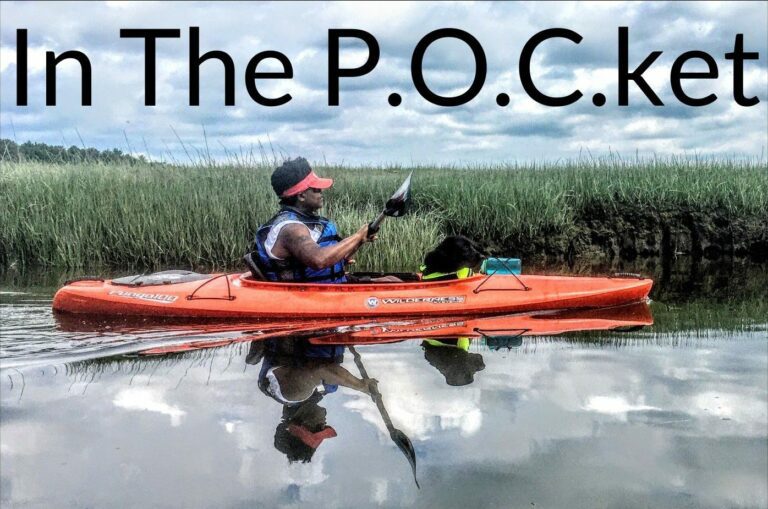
[492, 332]
[495, 331]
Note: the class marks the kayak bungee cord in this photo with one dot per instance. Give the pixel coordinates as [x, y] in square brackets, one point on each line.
[511, 272]
[229, 290]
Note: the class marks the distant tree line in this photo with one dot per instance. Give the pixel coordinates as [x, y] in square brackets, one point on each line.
[44, 153]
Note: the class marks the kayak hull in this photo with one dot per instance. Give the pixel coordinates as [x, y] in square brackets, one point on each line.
[240, 296]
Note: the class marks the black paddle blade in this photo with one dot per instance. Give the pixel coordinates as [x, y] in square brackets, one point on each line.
[397, 205]
[404, 444]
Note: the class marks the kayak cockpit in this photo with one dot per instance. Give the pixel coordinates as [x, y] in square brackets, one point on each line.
[408, 280]
[166, 277]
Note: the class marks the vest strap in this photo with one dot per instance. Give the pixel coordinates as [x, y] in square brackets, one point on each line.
[462, 273]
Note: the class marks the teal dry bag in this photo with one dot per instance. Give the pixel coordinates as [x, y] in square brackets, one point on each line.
[501, 266]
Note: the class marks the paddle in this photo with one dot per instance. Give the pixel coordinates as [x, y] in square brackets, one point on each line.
[398, 437]
[396, 206]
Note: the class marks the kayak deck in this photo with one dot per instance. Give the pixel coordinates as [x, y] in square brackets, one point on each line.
[239, 295]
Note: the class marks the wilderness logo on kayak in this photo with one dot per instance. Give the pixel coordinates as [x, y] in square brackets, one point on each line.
[439, 326]
[153, 297]
[373, 302]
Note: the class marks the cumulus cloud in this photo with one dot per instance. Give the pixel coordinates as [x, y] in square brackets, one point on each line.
[365, 128]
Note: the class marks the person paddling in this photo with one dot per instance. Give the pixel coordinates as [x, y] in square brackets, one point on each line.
[297, 244]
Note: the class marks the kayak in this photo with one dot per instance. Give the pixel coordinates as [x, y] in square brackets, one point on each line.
[184, 294]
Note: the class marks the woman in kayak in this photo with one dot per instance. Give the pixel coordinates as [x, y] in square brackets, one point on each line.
[297, 244]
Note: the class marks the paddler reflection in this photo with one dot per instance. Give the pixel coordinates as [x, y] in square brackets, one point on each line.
[298, 375]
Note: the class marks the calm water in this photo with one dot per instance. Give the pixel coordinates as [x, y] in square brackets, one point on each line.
[672, 415]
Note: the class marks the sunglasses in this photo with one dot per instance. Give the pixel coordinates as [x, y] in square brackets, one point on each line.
[315, 190]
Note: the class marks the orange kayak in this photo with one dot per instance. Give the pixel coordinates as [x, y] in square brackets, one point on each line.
[241, 296]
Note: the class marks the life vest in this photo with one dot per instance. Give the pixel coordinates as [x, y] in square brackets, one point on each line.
[462, 273]
[290, 269]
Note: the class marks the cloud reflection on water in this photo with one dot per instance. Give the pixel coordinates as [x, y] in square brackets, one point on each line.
[674, 426]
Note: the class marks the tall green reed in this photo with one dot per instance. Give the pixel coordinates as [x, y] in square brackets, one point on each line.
[153, 215]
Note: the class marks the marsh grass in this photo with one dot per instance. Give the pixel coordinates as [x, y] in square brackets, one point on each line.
[159, 216]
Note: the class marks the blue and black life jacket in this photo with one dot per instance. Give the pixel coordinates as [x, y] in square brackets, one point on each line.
[291, 269]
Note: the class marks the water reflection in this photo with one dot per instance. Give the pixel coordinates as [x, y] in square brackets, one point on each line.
[70, 338]
[452, 358]
[298, 375]
[554, 422]
[301, 364]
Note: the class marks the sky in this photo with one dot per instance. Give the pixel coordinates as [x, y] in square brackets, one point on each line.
[365, 128]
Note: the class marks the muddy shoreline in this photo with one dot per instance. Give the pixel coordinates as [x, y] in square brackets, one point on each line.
[626, 234]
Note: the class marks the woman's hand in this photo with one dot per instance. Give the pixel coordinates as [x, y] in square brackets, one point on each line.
[362, 234]
[371, 385]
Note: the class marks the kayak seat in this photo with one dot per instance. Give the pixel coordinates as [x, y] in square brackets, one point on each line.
[251, 264]
[366, 277]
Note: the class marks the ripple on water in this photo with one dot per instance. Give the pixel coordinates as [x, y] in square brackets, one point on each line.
[33, 335]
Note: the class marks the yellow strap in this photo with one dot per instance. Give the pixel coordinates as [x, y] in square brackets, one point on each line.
[462, 273]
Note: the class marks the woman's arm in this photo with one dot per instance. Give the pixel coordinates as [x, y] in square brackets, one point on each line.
[294, 239]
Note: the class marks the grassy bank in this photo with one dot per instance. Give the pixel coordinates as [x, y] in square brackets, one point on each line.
[161, 216]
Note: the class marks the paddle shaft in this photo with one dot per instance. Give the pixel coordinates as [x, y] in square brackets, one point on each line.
[395, 206]
[373, 226]
[375, 394]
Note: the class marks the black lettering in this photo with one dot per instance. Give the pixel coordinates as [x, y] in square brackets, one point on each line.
[21, 67]
[524, 67]
[195, 59]
[150, 36]
[676, 76]
[334, 72]
[251, 76]
[417, 62]
[738, 56]
[637, 74]
[51, 61]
